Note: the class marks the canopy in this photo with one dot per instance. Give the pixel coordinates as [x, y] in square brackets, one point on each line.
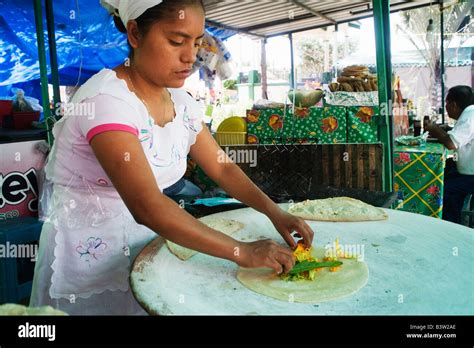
[86, 41]
[278, 17]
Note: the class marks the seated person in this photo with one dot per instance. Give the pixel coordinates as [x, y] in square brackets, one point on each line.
[459, 179]
[182, 188]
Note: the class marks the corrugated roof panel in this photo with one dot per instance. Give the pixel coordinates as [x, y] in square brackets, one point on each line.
[237, 14]
[251, 17]
[306, 14]
[292, 26]
[269, 18]
[239, 9]
[326, 6]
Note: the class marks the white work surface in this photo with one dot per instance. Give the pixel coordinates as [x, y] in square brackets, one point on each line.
[417, 265]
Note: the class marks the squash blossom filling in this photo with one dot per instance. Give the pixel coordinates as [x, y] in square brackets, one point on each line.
[307, 266]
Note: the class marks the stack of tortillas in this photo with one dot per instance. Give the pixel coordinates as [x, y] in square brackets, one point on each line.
[360, 71]
[355, 78]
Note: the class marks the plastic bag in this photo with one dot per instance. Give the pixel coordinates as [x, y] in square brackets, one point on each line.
[409, 140]
[21, 103]
[213, 58]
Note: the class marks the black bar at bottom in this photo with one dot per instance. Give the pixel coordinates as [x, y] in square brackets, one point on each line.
[294, 330]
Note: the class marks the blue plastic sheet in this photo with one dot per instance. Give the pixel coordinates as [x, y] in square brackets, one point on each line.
[86, 41]
[214, 201]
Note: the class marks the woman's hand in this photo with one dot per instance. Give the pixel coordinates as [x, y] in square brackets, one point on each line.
[265, 253]
[286, 224]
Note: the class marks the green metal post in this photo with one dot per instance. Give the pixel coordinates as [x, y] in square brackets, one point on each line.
[292, 57]
[252, 91]
[42, 66]
[384, 72]
[53, 57]
[442, 60]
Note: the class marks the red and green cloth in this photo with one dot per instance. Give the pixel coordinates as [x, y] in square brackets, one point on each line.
[332, 125]
[264, 126]
[307, 125]
[362, 125]
[419, 178]
[320, 125]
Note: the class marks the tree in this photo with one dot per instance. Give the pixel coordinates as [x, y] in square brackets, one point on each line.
[314, 53]
[428, 42]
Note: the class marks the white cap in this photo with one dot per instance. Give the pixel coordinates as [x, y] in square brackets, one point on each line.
[129, 9]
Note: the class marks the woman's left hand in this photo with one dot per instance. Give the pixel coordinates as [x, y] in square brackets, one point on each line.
[286, 224]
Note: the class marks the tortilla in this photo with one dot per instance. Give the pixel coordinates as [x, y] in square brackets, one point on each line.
[343, 209]
[226, 226]
[14, 309]
[327, 286]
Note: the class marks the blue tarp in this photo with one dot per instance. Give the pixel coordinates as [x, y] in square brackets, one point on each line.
[86, 40]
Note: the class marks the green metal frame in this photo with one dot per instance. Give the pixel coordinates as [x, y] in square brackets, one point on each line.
[43, 68]
[292, 57]
[49, 115]
[53, 57]
[442, 60]
[384, 72]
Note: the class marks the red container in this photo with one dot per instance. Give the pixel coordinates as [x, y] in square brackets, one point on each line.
[22, 120]
[5, 109]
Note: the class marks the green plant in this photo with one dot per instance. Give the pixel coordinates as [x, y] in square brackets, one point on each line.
[415, 27]
[230, 84]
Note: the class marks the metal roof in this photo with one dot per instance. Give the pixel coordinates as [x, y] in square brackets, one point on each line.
[266, 18]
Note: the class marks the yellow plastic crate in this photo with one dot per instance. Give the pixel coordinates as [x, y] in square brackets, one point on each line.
[231, 138]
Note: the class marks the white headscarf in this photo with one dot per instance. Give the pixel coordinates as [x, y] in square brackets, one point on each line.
[129, 9]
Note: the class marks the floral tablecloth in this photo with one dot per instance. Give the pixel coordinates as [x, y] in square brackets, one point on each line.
[419, 178]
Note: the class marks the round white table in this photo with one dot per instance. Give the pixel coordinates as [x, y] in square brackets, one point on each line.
[417, 266]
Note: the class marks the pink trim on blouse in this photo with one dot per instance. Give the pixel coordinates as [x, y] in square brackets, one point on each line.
[110, 127]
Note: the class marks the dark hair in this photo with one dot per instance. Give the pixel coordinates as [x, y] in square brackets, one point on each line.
[166, 9]
[461, 95]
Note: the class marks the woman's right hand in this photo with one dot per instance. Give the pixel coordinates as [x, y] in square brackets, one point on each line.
[266, 253]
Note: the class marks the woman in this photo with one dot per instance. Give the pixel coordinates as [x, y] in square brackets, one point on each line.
[108, 171]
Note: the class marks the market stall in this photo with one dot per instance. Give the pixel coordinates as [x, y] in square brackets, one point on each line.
[339, 145]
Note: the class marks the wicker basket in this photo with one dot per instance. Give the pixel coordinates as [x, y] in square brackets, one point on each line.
[231, 138]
